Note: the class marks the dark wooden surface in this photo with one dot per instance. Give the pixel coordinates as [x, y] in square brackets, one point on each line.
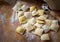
[7, 28]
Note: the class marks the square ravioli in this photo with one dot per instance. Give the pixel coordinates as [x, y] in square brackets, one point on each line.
[32, 8]
[45, 37]
[48, 22]
[32, 21]
[54, 21]
[34, 13]
[54, 27]
[41, 12]
[22, 19]
[28, 27]
[46, 28]
[28, 15]
[43, 17]
[38, 25]
[20, 13]
[17, 6]
[20, 30]
[24, 7]
[38, 31]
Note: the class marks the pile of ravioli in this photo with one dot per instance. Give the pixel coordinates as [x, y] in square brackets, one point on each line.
[34, 20]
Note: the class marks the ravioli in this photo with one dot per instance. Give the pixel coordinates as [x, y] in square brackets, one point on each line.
[24, 7]
[43, 17]
[54, 27]
[17, 7]
[28, 27]
[22, 19]
[32, 8]
[48, 22]
[54, 21]
[38, 31]
[46, 28]
[28, 15]
[40, 21]
[32, 21]
[38, 25]
[45, 37]
[34, 13]
[41, 12]
[20, 13]
[20, 30]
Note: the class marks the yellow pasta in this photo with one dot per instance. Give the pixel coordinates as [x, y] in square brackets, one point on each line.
[17, 7]
[22, 19]
[29, 29]
[34, 13]
[32, 8]
[41, 12]
[38, 31]
[39, 21]
[20, 30]
[38, 25]
[43, 17]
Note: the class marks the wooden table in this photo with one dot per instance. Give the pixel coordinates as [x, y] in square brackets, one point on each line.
[7, 28]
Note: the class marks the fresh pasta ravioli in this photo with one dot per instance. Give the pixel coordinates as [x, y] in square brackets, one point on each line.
[45, 37]
[20, 30]
[38, 31]
[32, 8]
[22, 19]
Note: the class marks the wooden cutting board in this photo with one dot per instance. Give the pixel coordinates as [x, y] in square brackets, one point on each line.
[7, 28]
